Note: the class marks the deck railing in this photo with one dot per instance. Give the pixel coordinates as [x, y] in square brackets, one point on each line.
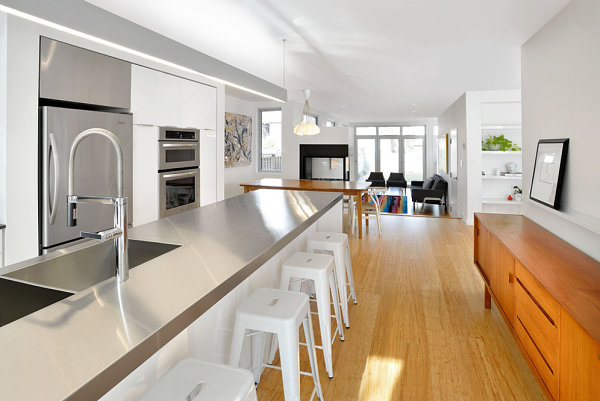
[271, 162]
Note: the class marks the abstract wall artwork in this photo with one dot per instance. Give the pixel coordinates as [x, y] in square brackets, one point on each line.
[548, 172]
[238, 140]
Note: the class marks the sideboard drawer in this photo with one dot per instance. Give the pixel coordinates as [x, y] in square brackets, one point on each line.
[548, 374]
[537, 326]
[539, 295]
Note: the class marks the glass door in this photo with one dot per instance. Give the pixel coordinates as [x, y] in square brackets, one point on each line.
[365, 157]
[413, 159]
[389, 156]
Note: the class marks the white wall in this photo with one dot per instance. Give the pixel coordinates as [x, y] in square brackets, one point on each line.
[19, 48]
[561, 99]
[290, 153]
[455, 117]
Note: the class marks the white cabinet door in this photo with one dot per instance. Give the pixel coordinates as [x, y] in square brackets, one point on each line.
[169, 100]
[191, 108]
[208, 107]
[208, 167]
[199, 105]
[145, 174]
[144, 95]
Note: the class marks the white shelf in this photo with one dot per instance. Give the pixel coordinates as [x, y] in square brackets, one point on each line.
[500, 127]
[500, 177]
[500, 201]
[499, 152]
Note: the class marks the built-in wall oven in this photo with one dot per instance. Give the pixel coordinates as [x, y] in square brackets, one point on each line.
[179, 175]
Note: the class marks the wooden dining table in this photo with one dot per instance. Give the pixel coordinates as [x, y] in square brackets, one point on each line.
[350, 188]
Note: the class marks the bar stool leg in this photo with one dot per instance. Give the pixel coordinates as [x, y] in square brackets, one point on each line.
[348, 265]
[312, 355]
[336, 304]
[324, 312]
[342, 288]
[290, 363]
[258, 352]
[237, 340]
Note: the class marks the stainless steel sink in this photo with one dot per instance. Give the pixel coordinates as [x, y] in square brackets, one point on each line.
[19, 299]
[83, 268]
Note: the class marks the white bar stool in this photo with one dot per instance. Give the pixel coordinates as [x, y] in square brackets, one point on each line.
[320, 269]
[337, 244]
[279, 312]
[196, 380]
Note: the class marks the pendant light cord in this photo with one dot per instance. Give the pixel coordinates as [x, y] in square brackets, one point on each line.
[284, 63]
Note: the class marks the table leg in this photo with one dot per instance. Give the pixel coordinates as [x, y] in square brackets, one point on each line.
[246, 189]
[358, 200]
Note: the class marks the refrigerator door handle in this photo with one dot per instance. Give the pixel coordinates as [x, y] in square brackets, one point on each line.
[52, 153]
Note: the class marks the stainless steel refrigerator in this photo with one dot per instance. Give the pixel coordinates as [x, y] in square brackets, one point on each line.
[95, 171]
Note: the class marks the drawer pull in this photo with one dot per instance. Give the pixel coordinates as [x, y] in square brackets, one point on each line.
[536, 302]
[535, 345]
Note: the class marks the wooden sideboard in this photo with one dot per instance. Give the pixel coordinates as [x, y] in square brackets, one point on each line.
[549, 294]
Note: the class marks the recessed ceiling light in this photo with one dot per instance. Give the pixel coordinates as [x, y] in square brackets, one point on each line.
[343, 106]
[415, 104]
[413, 111]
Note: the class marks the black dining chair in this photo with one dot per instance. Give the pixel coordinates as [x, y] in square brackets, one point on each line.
[376, 179]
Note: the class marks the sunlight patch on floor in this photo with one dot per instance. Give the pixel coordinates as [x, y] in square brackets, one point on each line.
[380, 377]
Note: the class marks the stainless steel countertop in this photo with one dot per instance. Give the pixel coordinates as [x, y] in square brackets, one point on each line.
[82, 346]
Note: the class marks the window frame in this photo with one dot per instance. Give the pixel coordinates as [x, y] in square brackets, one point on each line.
[260, 153]
[330, 123]
[400, 137]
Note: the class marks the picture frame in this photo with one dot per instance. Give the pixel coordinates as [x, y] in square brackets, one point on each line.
[549, 172]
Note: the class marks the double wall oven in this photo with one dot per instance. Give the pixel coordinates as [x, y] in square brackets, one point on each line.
[178, 170]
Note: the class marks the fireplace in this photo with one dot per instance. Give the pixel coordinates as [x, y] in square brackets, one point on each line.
[324, 162]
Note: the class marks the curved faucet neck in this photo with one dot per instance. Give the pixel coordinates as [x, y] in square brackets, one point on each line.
[118, 150]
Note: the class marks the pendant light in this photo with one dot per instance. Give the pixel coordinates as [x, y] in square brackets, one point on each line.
[306, 127]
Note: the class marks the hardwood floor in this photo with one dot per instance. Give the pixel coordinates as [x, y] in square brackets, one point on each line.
[420, 330]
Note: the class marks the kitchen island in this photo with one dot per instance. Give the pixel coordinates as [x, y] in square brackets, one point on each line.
[83, 346]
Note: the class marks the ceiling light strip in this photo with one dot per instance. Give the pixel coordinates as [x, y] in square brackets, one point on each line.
[134, 52]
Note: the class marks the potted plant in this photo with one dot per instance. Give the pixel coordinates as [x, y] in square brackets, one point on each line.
[517, 192]
[494, 143]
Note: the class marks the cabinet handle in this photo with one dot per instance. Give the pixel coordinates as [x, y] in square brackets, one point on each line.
[511, 278]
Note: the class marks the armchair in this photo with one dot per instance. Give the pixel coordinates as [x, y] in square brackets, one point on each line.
[376, 179]
[432, 190]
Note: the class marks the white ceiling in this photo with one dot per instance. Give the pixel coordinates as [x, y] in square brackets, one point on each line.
[365, 61]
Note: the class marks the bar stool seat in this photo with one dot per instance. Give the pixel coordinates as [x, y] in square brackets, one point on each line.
[320, 269]
[337, 245]
[279, 312]
[196, 380]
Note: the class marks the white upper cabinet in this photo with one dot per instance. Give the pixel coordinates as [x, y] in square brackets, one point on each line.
[208, 107]
[170, 100]
[144, 95]
[166, 100]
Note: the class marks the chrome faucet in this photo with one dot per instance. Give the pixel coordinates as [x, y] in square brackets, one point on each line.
[119, 232]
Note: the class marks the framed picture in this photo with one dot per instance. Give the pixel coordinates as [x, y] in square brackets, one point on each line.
[549, 171]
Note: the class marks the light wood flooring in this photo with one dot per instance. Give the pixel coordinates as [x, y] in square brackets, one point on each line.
[420, 331]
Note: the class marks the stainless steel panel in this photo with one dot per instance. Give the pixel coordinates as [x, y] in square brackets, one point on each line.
[165, 147]
[95, 175]
[164, 178]
[74, 74]
[86, 267]
[178, 134]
